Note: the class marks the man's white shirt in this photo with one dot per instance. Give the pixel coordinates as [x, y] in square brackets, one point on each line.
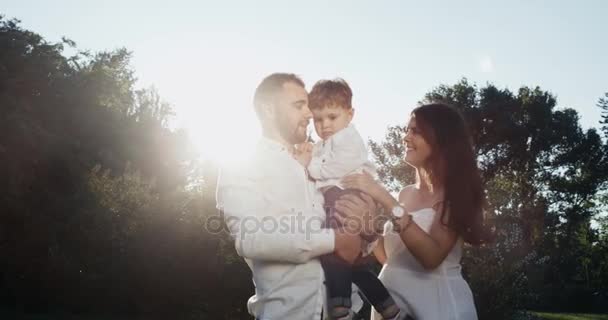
[275, 214]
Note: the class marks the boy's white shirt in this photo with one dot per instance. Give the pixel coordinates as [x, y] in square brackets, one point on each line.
[341, 154]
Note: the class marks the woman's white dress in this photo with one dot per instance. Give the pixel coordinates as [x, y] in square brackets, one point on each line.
[439, 294]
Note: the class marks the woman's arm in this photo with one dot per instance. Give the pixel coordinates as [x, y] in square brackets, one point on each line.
[366, 183]
[430, 249]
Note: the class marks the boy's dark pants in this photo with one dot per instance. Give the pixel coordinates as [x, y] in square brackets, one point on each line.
[339, 275]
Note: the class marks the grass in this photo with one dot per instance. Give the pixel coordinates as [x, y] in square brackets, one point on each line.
[570, 316]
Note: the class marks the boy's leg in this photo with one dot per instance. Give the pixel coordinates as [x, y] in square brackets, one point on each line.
[338, 280]
[338, 275]
[375, 292]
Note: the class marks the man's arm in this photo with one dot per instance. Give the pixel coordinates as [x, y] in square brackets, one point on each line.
[263, 234]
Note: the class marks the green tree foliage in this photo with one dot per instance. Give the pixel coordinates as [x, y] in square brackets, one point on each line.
[603, 105]
[103, 209]
[542, 173]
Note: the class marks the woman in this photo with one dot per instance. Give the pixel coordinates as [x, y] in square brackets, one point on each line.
[422, 248]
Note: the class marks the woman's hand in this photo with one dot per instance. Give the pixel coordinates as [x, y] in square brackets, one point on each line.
[366, 183]
[355, 213]
[400, 224]
[362, 181]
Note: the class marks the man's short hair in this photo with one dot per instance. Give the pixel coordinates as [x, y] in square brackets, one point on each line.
[330, 92]
[267, 90]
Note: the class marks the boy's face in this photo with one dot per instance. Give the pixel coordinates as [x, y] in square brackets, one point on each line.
[331, 119]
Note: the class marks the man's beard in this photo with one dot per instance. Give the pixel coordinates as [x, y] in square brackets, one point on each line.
[290, 134]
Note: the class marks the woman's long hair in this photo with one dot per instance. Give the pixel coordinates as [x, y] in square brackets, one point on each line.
[453, 164]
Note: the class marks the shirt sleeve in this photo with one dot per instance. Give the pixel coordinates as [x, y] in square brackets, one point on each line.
[263, 233]
[346, 153]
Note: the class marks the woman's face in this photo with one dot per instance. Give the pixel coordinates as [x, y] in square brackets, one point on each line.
[417, 149]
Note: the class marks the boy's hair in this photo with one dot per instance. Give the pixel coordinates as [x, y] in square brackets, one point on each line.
[330, 92]
[267, 90]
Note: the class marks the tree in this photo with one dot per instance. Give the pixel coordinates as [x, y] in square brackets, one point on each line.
[603, 105]
[100, 213]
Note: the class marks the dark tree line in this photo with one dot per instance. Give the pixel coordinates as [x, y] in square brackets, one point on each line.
[102, 206]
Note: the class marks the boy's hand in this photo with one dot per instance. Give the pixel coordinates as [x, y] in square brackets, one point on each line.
[303, 153]
[304, 146]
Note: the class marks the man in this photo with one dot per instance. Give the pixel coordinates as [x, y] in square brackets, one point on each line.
[275, 213]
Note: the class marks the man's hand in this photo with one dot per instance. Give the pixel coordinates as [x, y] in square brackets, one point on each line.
[347, 245]
[303, 153]
[356, 214]
[364, 260]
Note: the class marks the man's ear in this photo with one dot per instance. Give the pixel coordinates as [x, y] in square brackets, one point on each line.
[267, 111]
[351, 113]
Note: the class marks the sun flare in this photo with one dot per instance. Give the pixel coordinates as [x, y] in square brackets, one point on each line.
[222, 135]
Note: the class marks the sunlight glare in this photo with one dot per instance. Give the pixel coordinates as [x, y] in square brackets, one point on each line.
[213, 98]
[224, 135]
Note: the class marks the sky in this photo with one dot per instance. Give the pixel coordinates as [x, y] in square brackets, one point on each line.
[206, 57]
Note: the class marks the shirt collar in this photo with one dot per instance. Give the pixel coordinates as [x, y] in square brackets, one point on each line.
[350, 127]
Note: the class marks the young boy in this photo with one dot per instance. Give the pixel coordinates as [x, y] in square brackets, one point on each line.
[341, 152]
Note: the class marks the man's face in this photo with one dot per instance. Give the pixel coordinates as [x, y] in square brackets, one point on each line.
[292, 113]
[331, 119]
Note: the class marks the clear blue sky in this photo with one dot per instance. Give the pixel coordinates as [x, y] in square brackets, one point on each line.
[206, 58]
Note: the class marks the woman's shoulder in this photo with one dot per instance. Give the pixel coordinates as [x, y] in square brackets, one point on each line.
[407, 192]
